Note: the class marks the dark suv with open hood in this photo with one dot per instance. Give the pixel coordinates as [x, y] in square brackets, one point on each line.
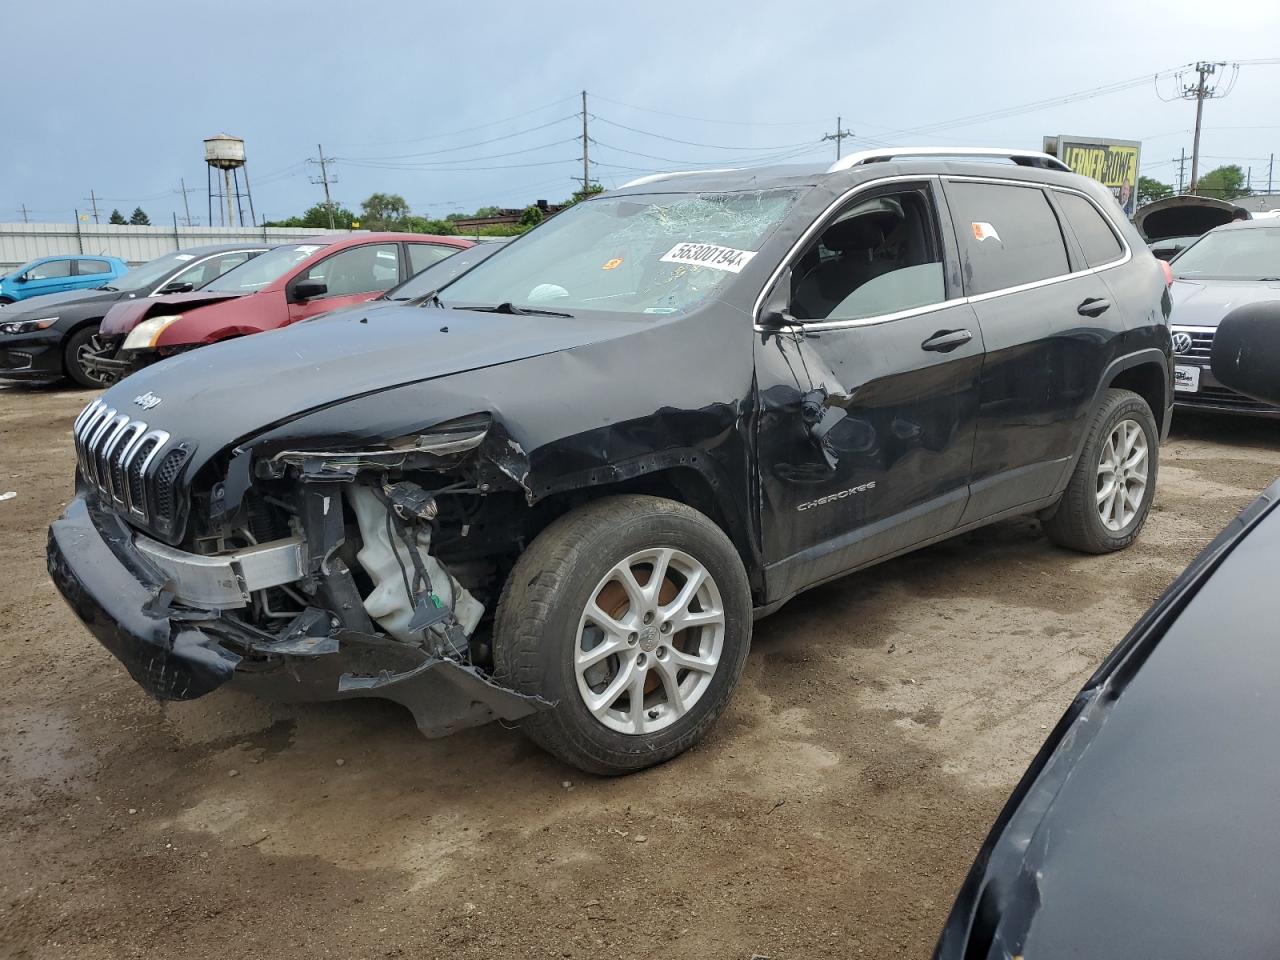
[559, 489]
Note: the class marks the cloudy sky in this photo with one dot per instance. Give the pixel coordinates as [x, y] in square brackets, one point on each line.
[460, 105]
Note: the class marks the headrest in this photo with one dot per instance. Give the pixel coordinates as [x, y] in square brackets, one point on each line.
[856, 233]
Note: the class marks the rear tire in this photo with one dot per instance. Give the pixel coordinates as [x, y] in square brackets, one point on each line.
[5, 301]
[79, 344]
[1109, 496]
[679, 643]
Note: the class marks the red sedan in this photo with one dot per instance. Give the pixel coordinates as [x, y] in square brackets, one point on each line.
[282, 286]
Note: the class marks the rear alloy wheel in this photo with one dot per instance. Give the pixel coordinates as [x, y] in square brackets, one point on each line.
[82, 345]
[1109, 495]
[632, 615]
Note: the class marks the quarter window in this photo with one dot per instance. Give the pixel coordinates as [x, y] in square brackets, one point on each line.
[877, 256]
[50, 271]
[423, 255]
[1097, 240]
[1009, 235]
[87, 267]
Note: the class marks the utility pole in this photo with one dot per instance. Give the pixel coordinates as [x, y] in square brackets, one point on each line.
[186, 205]
[1270, 166]
[839, 135]
[1200, 91]
[1182, 169]
[325, 179]
[24, 214]
[586, 157]
[93, 199]
[1248, 179]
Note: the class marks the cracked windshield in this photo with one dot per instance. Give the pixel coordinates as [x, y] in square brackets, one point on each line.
[655, 254]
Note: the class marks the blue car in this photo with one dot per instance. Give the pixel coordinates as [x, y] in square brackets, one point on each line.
[58, 274]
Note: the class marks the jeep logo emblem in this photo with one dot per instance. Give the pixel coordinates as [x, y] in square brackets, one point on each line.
[1181, 342]
[147, 400]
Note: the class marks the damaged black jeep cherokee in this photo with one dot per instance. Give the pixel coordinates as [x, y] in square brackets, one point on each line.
[557, 490]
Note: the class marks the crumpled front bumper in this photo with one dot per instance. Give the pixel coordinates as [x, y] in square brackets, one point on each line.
[180, 653]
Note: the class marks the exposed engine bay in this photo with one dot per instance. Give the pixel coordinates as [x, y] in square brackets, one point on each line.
[327, 574]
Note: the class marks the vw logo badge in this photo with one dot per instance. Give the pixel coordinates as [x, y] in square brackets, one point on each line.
[1181, 342]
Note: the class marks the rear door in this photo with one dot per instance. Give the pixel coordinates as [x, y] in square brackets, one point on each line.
[869, 396]
[91, 273]
[1047, 321]
[352, 275]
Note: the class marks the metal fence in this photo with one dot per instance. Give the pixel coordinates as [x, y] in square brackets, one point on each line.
[22, 242]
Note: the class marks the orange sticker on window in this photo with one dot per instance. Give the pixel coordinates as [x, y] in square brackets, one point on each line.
[612, 264]
[982, 230]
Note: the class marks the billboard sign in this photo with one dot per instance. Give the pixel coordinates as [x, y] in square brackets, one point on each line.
[1113, 163]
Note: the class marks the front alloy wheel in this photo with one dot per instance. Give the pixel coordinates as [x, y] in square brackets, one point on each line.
[632, 617]
[649, 641]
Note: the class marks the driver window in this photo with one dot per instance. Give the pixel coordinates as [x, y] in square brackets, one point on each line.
[372, 268]
[877, 256]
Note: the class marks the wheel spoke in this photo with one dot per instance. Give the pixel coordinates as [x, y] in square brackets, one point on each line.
[606, 648]
[610, 625]
[599, 703]
[668, 672]
[635, 692]
[678, 607]
[635, 593]
[687, 661]
[1107, 490]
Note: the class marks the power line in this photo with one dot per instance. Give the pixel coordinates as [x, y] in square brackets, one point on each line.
[482, 126]
[438, 164]
[467, 146]
[735, 123]
[691, 143]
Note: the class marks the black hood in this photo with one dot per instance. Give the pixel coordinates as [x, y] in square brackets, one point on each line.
[225, 392]
[1203, 303]
[54, 304]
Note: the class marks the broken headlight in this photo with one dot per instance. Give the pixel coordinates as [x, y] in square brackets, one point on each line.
[445, 439]
[145, 334]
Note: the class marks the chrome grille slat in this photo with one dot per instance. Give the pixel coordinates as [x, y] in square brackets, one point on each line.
[1201, 343]
[115, 453]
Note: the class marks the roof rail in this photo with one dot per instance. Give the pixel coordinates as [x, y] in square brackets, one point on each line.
[653, 177]
[1024, 158]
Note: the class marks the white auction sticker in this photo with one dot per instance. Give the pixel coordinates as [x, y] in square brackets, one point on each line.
[709, 255]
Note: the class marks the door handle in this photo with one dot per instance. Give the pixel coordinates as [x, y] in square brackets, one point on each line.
[944, 341]
[1093, 307]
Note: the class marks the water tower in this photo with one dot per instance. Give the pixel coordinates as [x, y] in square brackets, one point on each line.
[226, 153]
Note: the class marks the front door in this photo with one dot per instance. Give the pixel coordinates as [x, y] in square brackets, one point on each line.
[51, 276]
[1048, 324]
[868, 397]
[350, 276]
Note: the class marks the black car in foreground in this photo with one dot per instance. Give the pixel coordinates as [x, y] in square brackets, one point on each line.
[1227, 268]
[50, 337]
[1145, 826]
[560, 490]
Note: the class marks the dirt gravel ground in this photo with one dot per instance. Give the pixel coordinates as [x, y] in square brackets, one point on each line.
[833, 812]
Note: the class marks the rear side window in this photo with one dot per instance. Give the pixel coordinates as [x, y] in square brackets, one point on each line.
[1095, 236]
[86, 267]
[423, 255]
[1008, 235]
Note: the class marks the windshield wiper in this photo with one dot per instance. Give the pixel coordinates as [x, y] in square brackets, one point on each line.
[508, 307]
[429, 299]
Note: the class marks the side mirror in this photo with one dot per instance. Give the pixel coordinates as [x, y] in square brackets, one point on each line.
[309, 289]
[1246, 351]
[21, 278]
[177, 286]
[774, 313]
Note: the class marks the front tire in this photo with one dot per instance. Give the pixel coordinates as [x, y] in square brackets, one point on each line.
[633, 616]
[80, 345]
[5, 301]
[1109, 496]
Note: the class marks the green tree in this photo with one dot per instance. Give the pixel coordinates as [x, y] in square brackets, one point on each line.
[117, 218]
[139, 219]
[580, 195]
[412, 224]
[383, 210]
[532, 216]
[317, 217]
[1224, 183]
[1150, 190]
